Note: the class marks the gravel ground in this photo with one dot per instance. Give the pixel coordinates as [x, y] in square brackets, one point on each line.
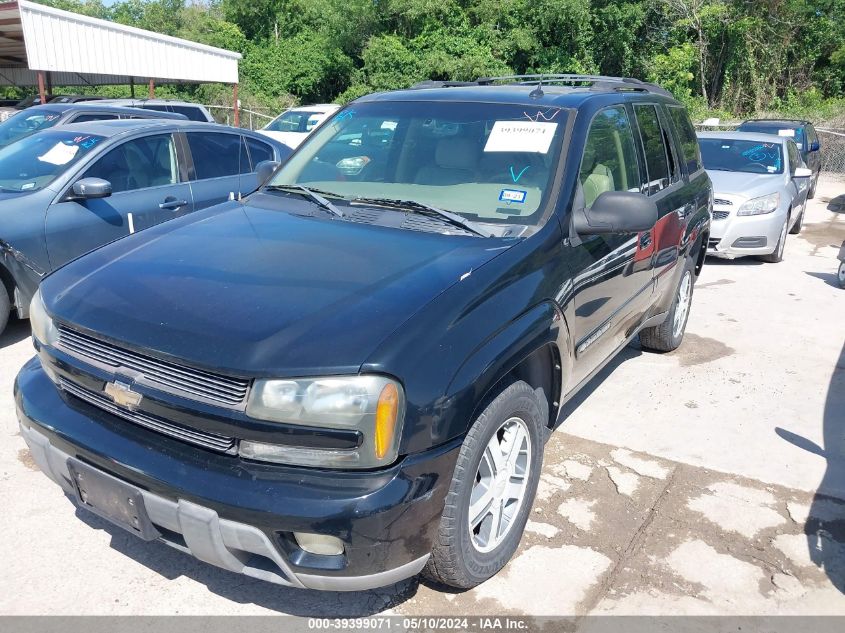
[706, 481]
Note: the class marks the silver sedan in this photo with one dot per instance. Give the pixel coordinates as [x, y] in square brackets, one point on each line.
[760, 185]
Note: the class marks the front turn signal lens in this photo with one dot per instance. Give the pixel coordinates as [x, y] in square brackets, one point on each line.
[387, 411]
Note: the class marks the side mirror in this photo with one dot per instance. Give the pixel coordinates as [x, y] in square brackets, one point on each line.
[264, 170]
[616, 212]
[90, 188]
[815, 146]
[803, 172]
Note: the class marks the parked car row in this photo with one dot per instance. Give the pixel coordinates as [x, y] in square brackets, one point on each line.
[73, 187]
[347, 377]
[762, 181]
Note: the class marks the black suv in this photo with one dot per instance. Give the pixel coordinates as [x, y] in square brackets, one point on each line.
[347, 377]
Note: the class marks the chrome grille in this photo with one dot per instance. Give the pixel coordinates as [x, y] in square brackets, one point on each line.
[722, 202]
[720, 215]
[211, 441]
[171, 377]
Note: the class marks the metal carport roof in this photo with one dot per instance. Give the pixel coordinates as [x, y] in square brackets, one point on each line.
[71, 49]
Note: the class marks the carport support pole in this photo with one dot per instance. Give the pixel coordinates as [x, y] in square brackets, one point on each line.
[42, 89]
[152, 89]
[237, 109]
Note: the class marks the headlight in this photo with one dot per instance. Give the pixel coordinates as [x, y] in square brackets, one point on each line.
[42, 325]
[372, 405]
[761, 205]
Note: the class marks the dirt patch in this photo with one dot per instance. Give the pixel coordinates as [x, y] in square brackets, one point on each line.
[698, 350]
[25, 458]
[823, 235]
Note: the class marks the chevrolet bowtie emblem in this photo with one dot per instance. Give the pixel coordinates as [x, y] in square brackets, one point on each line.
[122, 394]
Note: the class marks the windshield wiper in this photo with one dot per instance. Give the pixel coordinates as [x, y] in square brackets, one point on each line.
[312, 194]
[424, 209]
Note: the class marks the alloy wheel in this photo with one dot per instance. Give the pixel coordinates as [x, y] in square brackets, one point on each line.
[683, 303]
[500, 485]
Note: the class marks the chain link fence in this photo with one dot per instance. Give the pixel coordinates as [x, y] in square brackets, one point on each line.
[831, 139]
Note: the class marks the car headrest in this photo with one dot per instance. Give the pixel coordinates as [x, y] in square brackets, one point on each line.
[456, 153]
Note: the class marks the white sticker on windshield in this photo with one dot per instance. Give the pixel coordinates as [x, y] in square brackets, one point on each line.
[789, 133]
[59, 154]
[27, 185]
[520, 136]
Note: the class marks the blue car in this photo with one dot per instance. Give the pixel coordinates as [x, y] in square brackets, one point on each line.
[67, 191]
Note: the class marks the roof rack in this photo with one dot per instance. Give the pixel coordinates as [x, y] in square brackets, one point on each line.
[596, 82]
[442, 84]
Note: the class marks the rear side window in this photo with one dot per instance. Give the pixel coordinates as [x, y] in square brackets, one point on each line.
[157, 108]
[149, 161]
[654, 149]
[84, 118]
[215, 154]
[259, 151]
[610, 158]
[794, 161]
[194, 114]
[686, 134]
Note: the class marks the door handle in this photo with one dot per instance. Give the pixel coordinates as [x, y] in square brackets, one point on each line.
[172, 204]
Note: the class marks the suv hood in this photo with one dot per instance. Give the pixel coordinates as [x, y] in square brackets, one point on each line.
[260, 292]
[743, 184]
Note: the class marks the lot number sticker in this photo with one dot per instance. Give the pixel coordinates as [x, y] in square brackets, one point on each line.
[520, 136]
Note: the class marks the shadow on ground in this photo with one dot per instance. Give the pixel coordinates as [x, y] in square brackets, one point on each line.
[171, 564]
[739, 261]
[825, 526]
[829, 278]
[633, 350]
[16, 331]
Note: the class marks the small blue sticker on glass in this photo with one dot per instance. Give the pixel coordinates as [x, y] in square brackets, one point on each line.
[513, 195]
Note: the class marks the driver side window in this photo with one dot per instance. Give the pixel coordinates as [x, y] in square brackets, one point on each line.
[610, 160]
[144, 162]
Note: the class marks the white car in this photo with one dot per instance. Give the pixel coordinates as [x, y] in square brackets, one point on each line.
[292, 126]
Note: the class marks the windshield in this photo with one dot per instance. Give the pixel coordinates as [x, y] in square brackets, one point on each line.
[296, 121]
[751, 157]
[25, 123]
[795, 133]
[34, 162]
[491, 163]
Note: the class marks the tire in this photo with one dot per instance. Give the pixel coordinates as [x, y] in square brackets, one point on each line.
[464, 556]
[668, 335]
[777, 255]
[840, 275]
[5, 308]
[812, 192]
[799, 222]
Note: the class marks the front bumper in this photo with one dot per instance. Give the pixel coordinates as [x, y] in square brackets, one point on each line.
[240, 515]
[737, 236]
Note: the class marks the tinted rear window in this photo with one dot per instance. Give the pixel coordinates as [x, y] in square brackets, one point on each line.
[686, 134]
[259, 151]
[193, 113]
[215, 154]
[796, 133]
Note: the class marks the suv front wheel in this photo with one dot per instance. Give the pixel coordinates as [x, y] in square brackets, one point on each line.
[492, 490]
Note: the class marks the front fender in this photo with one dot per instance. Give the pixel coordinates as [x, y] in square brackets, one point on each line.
[500, 354]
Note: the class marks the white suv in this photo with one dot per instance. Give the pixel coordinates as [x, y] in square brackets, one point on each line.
[292, 126]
